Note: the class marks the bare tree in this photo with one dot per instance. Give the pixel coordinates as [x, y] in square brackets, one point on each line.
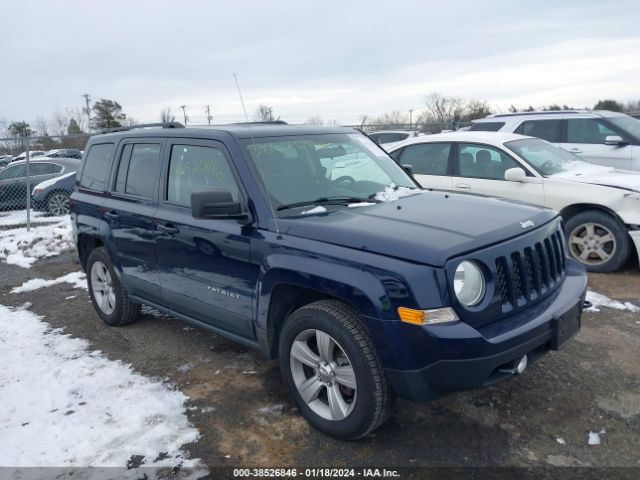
[264, 113]
[443, 109]
[314, 120]
[40, 126]
[60, 123]
[166, 115]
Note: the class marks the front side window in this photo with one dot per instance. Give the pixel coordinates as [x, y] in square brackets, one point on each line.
[587, 130]
[549, 130]
[482, 161]
[197, 168]
[96, 166]
[307, 167]
[137, 169]
[15, 171]
[427, 158]
[628, 124]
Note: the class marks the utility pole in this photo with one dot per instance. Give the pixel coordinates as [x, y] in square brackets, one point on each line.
[207, 109]
[410, 118]
[87, 99]
[184, 114]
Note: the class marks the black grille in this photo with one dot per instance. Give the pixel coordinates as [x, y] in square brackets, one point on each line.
[526, 275]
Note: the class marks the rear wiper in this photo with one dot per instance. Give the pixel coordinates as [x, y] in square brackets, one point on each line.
[329, 201]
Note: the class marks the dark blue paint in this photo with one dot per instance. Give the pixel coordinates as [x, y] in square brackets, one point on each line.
[222, 273]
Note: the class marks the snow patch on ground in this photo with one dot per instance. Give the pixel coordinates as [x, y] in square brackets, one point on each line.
[599, 300]
[94, 411]
[393, 193]
[19, 217]
[594, 438]
[21, 247]
[76, 279]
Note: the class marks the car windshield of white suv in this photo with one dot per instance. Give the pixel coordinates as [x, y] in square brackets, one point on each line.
[327, 169]
[629, 124]
[549, 160]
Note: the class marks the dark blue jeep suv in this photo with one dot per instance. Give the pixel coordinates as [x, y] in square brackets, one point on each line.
[314, 247]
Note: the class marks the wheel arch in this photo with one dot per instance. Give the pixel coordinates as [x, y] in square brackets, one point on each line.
[572, 210]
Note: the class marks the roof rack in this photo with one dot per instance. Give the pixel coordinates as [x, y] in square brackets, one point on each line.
[548, 112]
[125, 128]
[265, 122]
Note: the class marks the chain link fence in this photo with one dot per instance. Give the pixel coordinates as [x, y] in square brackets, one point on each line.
[30, 169]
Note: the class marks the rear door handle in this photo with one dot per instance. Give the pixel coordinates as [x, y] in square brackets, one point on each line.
[463, 186]
[111, 215]
[575, 150]
[168, 228]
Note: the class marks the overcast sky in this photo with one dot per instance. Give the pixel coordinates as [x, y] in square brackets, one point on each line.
[336, 59]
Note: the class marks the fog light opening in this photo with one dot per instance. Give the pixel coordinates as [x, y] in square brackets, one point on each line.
[522, 365]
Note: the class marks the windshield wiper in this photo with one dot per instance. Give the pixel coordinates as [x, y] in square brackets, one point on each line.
[329, 201]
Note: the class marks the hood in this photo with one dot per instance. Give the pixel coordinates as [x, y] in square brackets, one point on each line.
[609, 177]
[428, 228]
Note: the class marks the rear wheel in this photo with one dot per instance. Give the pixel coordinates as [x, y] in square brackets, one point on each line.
[598, 240]
[58, 203]
[333, 371]
[107, 294]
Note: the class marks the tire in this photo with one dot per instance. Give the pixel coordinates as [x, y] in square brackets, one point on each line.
[58, 203]
[354, 358]
[598, 240]
[109, 298]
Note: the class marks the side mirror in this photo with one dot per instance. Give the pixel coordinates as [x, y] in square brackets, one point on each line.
[614, 140]
[408, 169]
[215, 204]
[516, 174]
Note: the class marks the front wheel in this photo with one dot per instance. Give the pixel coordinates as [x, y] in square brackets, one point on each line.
[333, 371]
[598, 240]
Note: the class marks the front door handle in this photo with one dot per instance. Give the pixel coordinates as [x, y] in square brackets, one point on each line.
[168, 228]
[111, 215]
[463, 186]
[575, 150]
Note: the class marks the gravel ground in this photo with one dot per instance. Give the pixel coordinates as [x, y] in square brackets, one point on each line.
[246, 418]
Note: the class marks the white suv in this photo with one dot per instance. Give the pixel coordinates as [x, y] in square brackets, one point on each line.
[599, 136]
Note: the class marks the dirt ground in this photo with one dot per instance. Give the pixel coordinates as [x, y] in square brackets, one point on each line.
[240, 405]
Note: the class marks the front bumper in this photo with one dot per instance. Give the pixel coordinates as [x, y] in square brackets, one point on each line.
[635, 237]
[475, 358]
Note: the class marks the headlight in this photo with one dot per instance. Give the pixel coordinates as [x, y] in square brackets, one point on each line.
[468, 284]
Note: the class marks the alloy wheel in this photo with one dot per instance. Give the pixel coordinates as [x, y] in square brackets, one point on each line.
[102, 288]
[59, 204]
[323, 375]
[592, 243]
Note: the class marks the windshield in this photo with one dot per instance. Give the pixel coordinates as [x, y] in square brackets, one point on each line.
[546, 158]
[304, 168]
[627, 123]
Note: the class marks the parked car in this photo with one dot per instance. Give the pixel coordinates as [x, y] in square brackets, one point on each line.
[23, 155]
[52, 196]
[600, 137]
[600, 205]
[4, 160]
[14, 180]
[391, 137]
[65, 153]
[360, 283]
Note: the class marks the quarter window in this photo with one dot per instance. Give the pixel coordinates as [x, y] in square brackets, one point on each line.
[96, 166]
[481, 161]
[548, 130]
[137, 170]
[587, 130]
[427, 158]
[194, 168]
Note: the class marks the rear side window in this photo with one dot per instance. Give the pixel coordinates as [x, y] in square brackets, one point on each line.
[427, 158]
[486, 126]
[96, 166]
[44, 169]
[548, 130]
[137, 169]
[193, 168]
